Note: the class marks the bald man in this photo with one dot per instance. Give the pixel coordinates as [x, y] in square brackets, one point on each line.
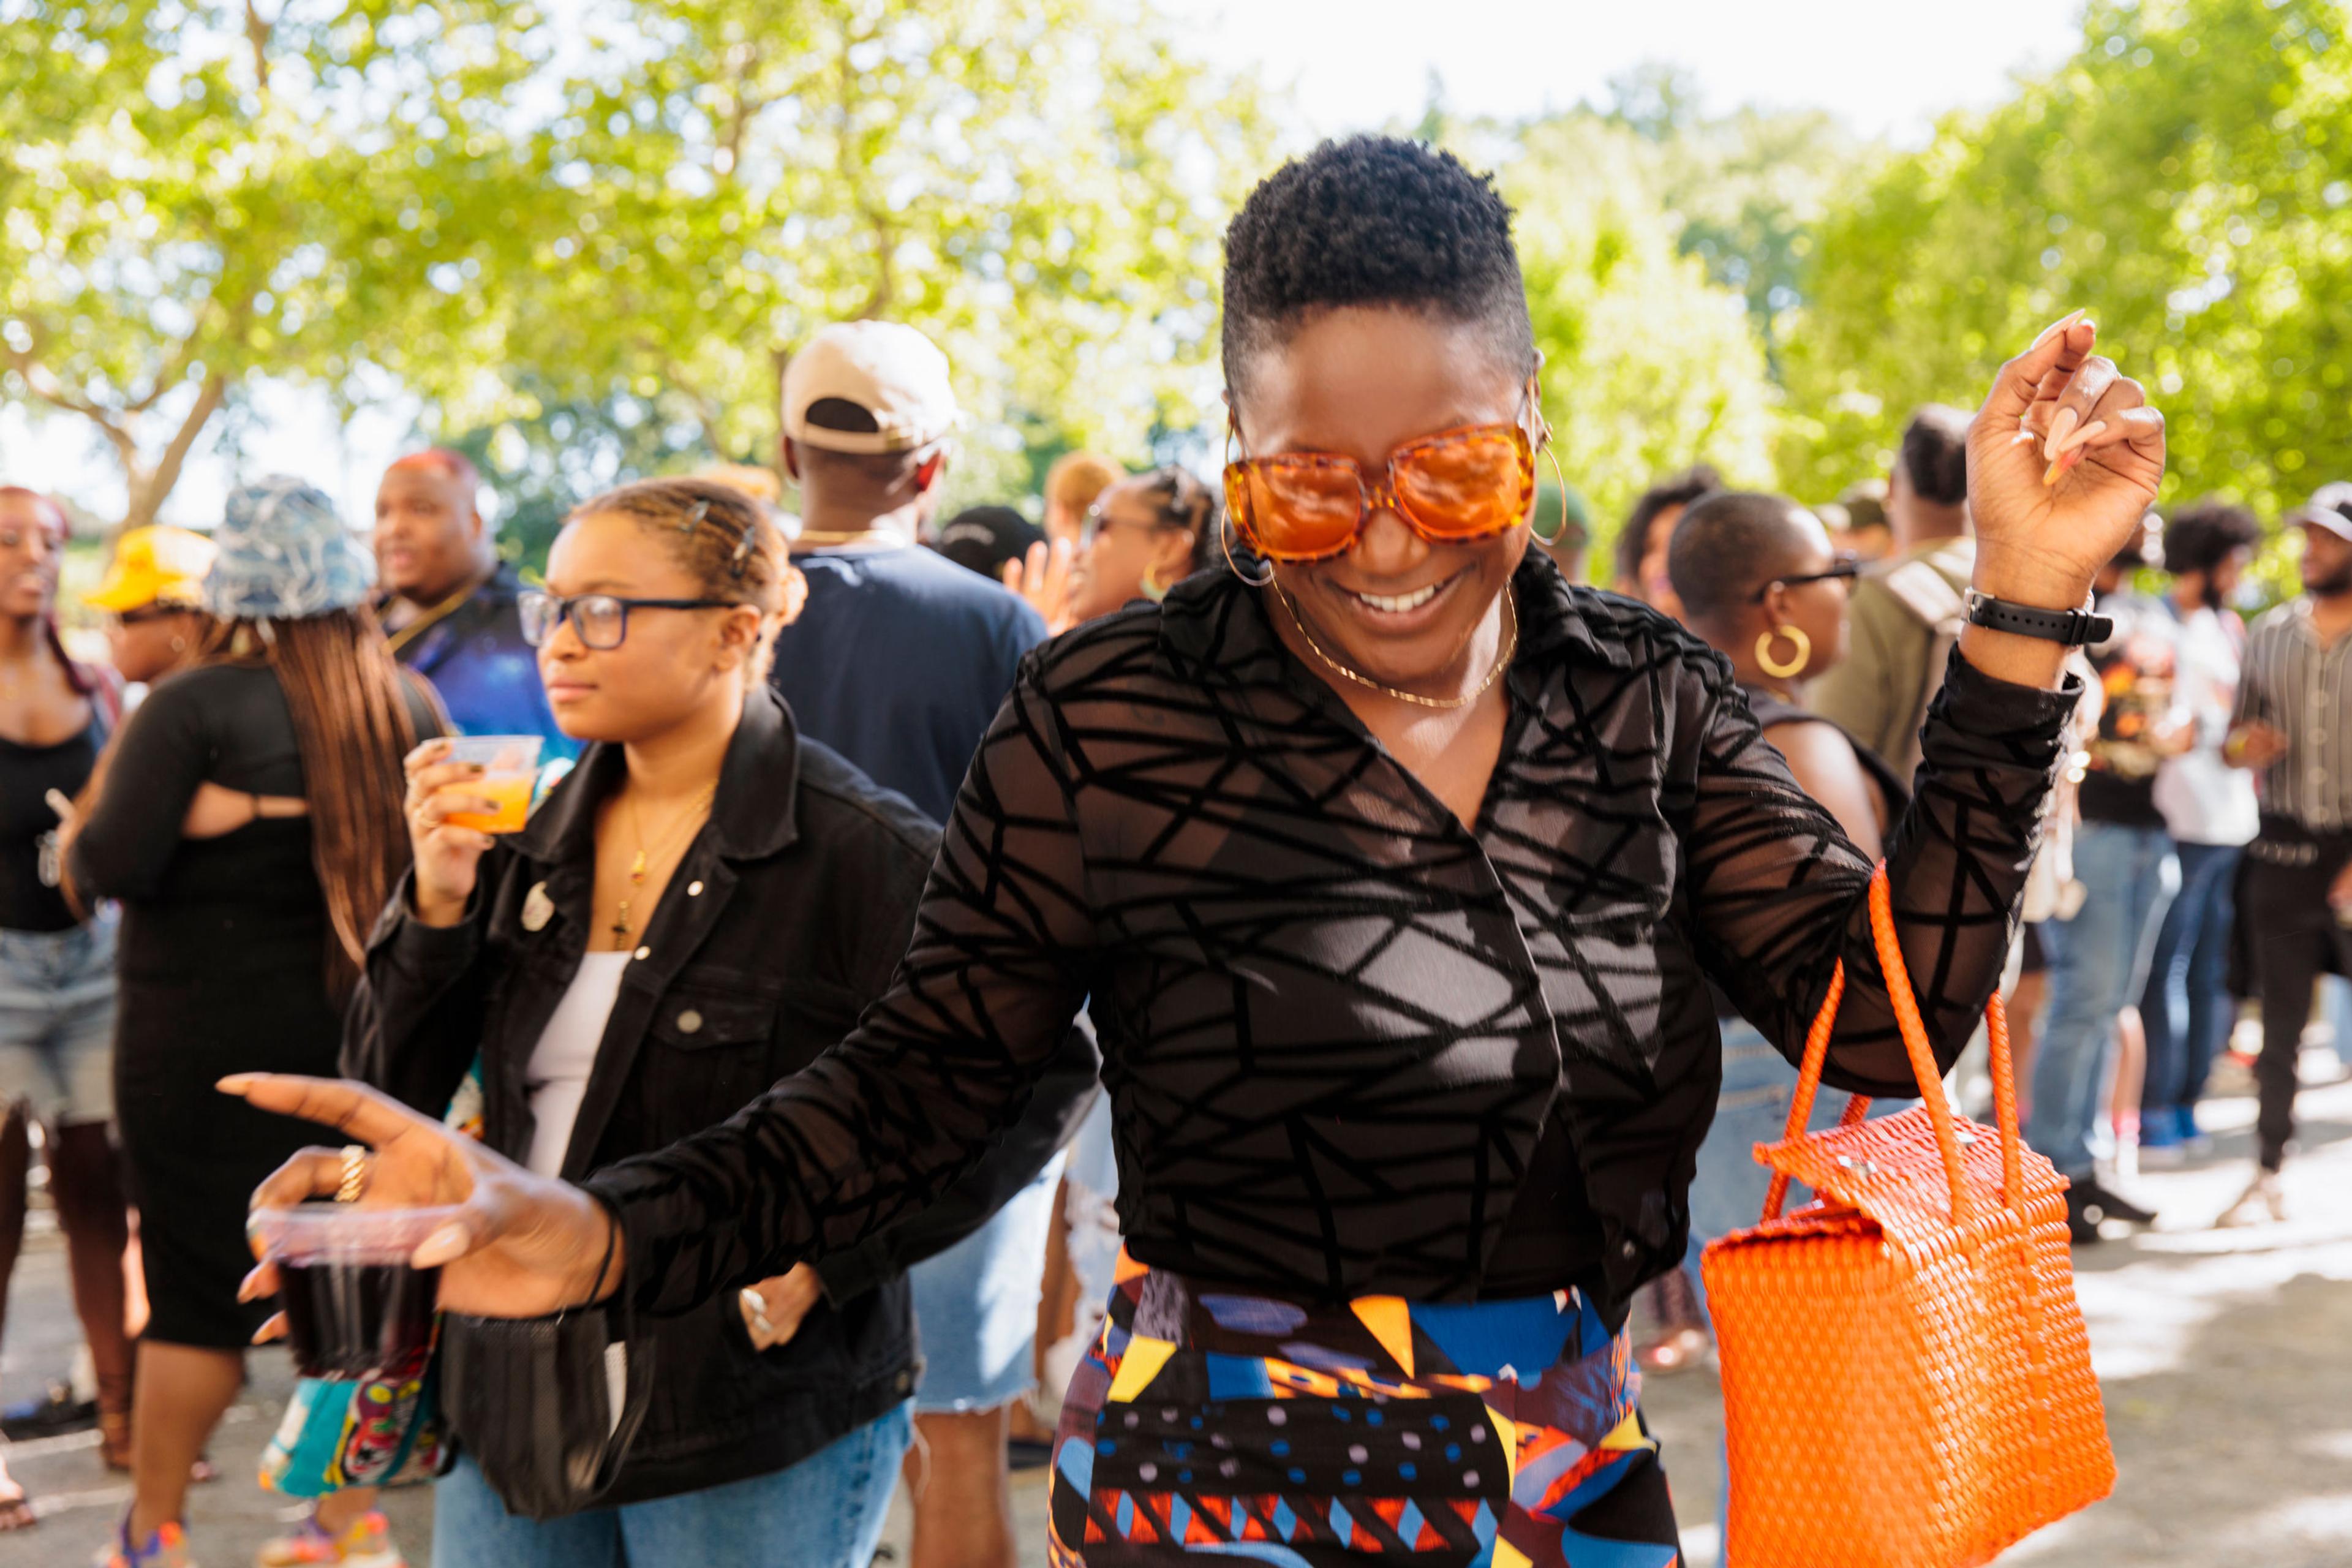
[448, 602]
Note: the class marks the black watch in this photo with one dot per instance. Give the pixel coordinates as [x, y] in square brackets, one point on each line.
[2069, 629]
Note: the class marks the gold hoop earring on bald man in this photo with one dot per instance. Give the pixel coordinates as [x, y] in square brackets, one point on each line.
[1774, 667]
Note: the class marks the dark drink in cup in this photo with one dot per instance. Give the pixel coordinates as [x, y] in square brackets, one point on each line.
[352, 1304]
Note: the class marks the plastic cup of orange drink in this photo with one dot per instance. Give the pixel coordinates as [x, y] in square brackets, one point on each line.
[509, 765]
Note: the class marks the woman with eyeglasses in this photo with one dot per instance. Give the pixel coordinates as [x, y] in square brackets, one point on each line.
[1394, 867]
[1757, 580]
[701, 906]
[1141, 537]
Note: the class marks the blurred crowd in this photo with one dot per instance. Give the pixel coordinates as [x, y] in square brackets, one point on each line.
[197, 833]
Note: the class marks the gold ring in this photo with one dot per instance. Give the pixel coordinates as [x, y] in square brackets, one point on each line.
[355, 1174]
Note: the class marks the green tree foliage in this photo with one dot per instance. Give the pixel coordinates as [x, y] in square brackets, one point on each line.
[2185, 177]
[635, 215]
[1039, 184]
[192, 195]
[1649, 364]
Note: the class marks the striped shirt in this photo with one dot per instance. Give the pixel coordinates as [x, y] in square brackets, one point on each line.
[2303, 690]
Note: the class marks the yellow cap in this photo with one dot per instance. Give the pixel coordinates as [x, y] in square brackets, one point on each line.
[158, 566]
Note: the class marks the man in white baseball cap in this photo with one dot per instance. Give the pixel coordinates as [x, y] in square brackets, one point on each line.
[892, 381]
[899, 662]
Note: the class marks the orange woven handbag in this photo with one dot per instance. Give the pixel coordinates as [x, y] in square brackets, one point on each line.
[1906, 1378]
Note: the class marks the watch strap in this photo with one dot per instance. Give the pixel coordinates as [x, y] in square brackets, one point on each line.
[2070, 628]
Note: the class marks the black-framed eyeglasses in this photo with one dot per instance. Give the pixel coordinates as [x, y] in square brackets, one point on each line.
[1090, 527]
[600, 621]
[1845, 568]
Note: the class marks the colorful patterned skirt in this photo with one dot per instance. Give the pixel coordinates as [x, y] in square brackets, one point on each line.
[1499, 1434]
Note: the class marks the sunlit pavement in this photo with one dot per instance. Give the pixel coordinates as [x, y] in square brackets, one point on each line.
[2226, 1357]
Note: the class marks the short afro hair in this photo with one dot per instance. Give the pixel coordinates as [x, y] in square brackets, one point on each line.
[1372, 220]
[1680, 489]
[2206, 532]
[1729, 544]
[1934, 454]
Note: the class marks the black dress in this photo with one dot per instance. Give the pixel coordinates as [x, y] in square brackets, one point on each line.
[222, 969]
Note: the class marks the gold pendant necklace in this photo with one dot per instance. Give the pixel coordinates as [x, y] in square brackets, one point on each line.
[1502, 658]
[638, 865]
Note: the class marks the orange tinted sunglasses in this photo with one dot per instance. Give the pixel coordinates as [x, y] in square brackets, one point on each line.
[1450, 487]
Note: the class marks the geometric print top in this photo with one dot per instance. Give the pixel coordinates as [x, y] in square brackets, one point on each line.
[1334, 1021]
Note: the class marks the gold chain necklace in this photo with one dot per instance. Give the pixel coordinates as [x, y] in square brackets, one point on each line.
[637, 866]
[1502, 658]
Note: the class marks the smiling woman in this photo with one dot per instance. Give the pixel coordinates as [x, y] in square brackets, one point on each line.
[1393, 874]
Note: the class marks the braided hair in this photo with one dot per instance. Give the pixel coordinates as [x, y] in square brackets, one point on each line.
[725, 540]
[1184, 500]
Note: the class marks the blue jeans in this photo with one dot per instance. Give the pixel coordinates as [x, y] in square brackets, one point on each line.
[2097, 963]
[976, 1306]
[2188, 1009]
[824, 1512]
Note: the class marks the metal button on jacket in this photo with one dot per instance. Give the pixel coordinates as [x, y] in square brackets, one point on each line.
[689, 1022]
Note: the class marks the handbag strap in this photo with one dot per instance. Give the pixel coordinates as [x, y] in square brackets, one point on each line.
[1924, 1070]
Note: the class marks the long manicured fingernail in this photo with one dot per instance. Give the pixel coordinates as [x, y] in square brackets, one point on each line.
[236, 1082]
[2081, 438]
[442, 1244]
[2050, 475]
[2062, 424]
[2060, 325]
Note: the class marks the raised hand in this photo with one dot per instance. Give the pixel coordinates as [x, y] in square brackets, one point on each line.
[520, 1245]
[1043, 580]
[2063, 461]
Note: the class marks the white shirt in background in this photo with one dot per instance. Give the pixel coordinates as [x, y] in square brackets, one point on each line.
[557, 1077]
[2203, 799]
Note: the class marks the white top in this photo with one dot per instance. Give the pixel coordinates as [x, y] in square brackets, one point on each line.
[566, 1054]
[2204, 800]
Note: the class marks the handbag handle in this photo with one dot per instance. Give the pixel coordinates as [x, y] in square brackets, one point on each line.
[1913, 1028]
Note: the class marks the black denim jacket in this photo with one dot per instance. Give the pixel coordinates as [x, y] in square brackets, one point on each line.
[1335, 1022]
[784, 921]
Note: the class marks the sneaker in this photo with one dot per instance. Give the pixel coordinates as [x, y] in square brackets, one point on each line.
[167, 1548]
[2112, 1204]
[2082, 1223]
[2262, 1202]
[366, 1544]
[2159, 1141]
[2194, 1139]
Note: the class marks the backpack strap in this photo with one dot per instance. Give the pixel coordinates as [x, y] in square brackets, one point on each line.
[1931, 600]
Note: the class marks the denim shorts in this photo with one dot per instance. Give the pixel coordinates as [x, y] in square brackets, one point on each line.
[826, 1512]
[976, 1306]
[56, 1022]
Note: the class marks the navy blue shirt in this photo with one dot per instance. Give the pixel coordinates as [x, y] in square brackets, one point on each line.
[487, 676]
[899, 662]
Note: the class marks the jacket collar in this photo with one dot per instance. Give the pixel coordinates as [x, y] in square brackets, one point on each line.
[1214, 621]
[755, 813]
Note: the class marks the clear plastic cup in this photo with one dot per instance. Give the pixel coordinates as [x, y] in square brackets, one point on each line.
[509, 766]
[354, 1306]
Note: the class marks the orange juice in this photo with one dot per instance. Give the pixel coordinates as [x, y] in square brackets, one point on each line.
[509, 765]
[512, 793]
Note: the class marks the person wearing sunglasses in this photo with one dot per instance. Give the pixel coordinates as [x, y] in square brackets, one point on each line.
[1394, 867]
[152, 596]
[1141, 537]
[1759, 581]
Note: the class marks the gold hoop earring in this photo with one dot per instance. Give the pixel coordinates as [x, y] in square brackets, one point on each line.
[1226, 546]
[1796, 635]
[1151, 587]
[1558, 474]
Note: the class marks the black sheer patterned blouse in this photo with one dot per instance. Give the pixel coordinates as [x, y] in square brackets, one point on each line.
[1336, 1025]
